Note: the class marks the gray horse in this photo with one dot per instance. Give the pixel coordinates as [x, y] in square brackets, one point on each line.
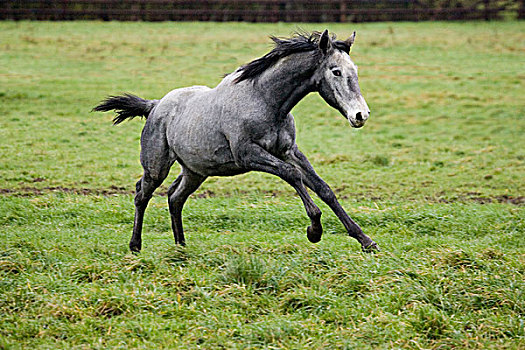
[244, 124]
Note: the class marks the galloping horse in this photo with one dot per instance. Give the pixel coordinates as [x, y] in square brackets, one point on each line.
[244, 124]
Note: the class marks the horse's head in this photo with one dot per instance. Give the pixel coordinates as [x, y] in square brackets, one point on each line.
[336, 80]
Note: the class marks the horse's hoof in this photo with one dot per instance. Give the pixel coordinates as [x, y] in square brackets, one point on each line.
[371, 248]
[313, 237]
[180, 241]
[135, 248]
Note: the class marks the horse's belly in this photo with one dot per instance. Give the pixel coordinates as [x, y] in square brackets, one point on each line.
[221, 163]
[208, 154]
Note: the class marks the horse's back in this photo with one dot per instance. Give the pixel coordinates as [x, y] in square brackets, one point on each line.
[175, 100]
[171, 109]
[188, 119]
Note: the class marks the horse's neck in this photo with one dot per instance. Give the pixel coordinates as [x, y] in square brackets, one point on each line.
[288, 82]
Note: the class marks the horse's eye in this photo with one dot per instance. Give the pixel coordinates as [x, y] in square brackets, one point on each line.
[336, 72]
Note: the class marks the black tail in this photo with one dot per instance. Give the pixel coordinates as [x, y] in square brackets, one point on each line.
[127, 107]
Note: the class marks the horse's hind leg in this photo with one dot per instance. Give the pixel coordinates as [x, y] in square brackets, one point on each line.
[145, 188]
[156, 162]
[178, 193]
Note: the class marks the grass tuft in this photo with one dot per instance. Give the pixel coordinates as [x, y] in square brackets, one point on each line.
[248, 271]
[427, 320]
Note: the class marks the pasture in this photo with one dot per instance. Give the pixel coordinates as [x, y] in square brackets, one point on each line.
[436, 177]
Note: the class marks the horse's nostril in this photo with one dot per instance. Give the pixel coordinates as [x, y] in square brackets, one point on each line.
[359, 117]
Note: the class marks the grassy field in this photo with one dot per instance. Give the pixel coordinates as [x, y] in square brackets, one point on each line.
[436, 177]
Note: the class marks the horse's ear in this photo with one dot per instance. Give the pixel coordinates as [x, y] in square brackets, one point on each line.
[324, 42]
[350, 40]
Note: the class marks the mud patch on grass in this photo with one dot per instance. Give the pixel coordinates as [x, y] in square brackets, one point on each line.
[29, 191]
[515, 200]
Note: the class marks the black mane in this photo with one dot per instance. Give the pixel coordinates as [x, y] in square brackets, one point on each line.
[299, 42]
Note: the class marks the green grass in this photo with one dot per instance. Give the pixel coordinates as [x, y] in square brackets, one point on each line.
[435, 177]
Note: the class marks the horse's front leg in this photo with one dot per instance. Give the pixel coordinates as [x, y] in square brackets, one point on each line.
[253, 157]
[321, 188]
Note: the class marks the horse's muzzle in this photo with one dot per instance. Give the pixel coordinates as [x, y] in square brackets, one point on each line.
[359, 119]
